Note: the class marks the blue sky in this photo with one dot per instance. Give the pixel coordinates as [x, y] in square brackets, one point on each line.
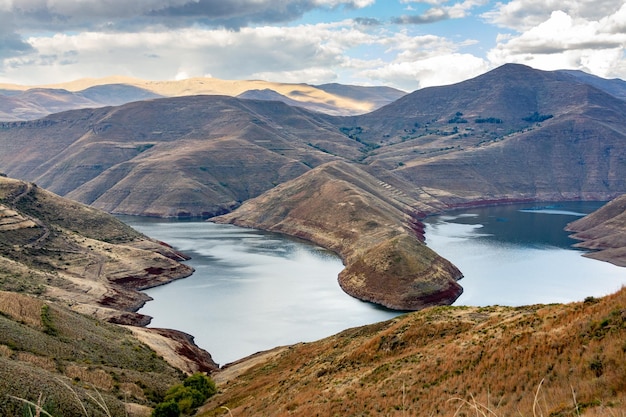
[405, 44]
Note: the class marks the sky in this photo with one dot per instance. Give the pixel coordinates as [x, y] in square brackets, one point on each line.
[405, 44]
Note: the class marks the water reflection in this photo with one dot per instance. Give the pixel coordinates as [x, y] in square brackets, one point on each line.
[252, 290]
[520, 254]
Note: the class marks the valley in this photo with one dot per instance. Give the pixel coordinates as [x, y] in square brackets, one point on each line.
[357, 183]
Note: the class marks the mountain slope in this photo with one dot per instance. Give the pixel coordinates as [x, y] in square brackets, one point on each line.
[511, 134]
[51, 353]
[66, 271]
[90, 260]
[191, 156]
[604, 231]
[557, 360]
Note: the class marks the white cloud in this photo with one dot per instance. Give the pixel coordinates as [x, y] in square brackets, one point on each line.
[429, 71]
[569, 41]
[522, 15]
[267, 52]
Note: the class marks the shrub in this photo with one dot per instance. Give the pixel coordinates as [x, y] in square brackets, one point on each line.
[167, 409]
[188, 396]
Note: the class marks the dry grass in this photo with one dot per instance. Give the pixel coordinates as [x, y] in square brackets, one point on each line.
[88, 355]
[448, 360]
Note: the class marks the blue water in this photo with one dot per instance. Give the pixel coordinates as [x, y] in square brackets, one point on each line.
[253, 290]
[519, 254]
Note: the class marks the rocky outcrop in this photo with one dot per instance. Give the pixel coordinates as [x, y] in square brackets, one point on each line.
[604, 232]
[368, 224]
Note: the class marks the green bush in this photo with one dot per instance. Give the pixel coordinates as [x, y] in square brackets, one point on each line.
[187, 397]
[167, 409]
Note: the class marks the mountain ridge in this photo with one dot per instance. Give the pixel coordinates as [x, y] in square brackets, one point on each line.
[21, 103]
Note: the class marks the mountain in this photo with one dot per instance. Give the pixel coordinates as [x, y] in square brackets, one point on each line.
[35, 103]
[615, 87]
[378, 95]
[78, 255]
[271, 95]
[512, 134]
[26, 103]
[189, 156]
[604, 232]
[541, 360]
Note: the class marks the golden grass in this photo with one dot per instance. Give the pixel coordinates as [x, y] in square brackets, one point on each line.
[24, 309]
[448, 360]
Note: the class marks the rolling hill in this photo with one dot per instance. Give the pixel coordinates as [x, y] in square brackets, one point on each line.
[554, 360]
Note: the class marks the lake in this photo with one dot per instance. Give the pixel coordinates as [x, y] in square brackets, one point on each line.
[519, 254]
[254, 290]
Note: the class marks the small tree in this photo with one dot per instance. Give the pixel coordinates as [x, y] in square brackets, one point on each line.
[201, 383]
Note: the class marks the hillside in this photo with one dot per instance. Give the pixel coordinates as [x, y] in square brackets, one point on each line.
[604, 231]
[514, 133]
[66, 271]
[191, 156]
[51, 353]
[372, 226]
[83, 257]
[557, 360]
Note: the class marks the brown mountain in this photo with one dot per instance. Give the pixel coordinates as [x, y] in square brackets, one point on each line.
[82, 256]
[69, 275]
[191, 156]
[514, 133]
[511, 134]
[604, 231]
[36, 103]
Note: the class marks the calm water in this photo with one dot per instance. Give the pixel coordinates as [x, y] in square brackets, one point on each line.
[519, 254]
[252, 290]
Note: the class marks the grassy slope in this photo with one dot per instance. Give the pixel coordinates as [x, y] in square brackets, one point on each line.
[44, 347]
[438, 360]
[57, 256]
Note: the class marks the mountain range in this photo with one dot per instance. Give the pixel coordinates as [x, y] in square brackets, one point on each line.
[512, 134]
[19, 102]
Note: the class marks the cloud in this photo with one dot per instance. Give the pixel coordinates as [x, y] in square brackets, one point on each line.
[522, 15]
[439, 13]
[569, 41]
[265, 51]
[123, 14]
[429, 71]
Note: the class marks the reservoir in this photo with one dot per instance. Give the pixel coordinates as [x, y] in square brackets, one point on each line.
[254, 290]
[519, 254]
